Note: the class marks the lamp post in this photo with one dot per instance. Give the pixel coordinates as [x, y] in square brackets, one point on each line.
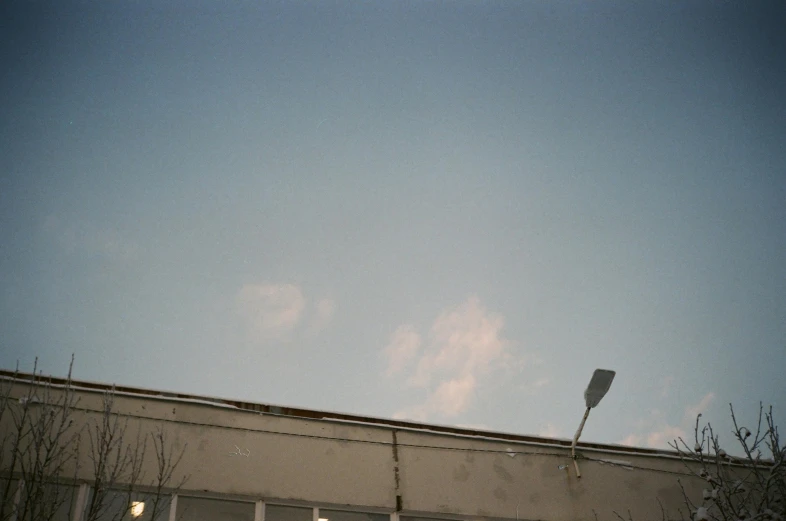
[596, 390]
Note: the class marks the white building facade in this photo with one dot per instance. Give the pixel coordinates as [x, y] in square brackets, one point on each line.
[257, 462]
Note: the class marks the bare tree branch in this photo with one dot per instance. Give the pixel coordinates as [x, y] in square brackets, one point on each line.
[749, 488]
[41, 444]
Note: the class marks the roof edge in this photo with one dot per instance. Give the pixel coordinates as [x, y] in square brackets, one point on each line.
[313, 414]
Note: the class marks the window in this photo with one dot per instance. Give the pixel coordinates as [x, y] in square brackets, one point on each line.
[48, 501]
[202, 509]
[9, 493]
[282, 513]
[341, 515]
[137, 508]
[413, 518]
[118, 505]
[65, 497]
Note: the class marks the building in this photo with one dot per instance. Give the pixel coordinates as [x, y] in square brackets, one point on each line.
[256, 462]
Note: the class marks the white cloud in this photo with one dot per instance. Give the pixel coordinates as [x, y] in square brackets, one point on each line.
[271, 311]
[463, 340]
[464, 346]
[452, 397]
[402, 348]
[449, 399]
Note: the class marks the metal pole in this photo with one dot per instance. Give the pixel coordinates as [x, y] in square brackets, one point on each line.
[575, 439]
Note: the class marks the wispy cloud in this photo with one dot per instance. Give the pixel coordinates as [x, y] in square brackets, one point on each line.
[701, 407]
[660, 438]
[656, 432]
[656, 439]
[402, 349]
[464, 345]
[632, 440]
[452, 397]
[449, 399]
[270, 311]
[535, 386]
[463, 340]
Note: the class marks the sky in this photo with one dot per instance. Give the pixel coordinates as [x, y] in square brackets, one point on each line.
[451, 212]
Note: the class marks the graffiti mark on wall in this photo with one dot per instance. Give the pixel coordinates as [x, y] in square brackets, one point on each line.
[239, 452]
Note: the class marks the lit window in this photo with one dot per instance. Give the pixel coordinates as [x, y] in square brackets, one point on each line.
[323, 519]
[137, 508]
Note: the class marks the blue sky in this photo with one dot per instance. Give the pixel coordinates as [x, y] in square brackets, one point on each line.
[446, 211]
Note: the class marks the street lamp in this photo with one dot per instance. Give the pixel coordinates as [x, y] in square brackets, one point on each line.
[596, 390]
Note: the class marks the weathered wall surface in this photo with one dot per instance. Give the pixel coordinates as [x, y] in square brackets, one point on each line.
[251, 455]
[478, 478]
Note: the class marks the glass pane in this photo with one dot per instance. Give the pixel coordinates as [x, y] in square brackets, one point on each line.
[45, 501]
[65, 497]
[117, 505]
[9, 488]
[413, 518]
[202, 509]
[282, 513]
[341, 515]
[473, 518]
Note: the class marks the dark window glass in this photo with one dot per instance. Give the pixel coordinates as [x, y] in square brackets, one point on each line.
[48, 501]
[342, 515]
[202, 509]
[282, 513]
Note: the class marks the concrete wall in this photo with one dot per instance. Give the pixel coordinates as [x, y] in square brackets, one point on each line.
[480, 479]
[249, 455]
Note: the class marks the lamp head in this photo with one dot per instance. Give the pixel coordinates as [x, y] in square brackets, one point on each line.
[598, 386]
